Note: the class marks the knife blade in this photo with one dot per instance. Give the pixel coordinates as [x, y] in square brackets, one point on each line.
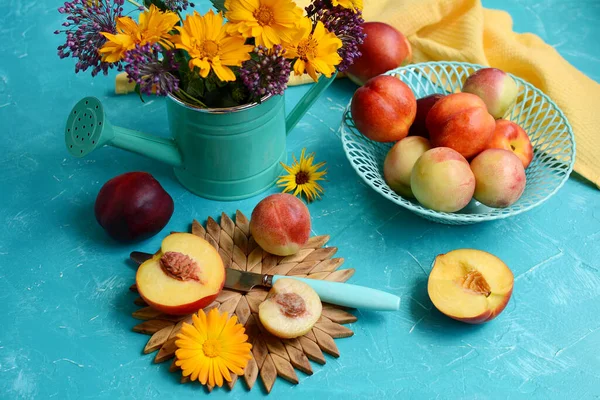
[343, 294]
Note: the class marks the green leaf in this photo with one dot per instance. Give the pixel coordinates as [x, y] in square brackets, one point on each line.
[210, 84]
[139, 92]
[219, 5]
[158, 3]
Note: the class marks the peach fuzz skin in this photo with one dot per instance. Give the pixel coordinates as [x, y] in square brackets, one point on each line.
[461, 122]
[384, 109]
[424, 105]
[280, 224]
[495, 87]
[500, 178]
[183, 309]
[510, 136]
[442, 180]
[384, 49]
[399, 163]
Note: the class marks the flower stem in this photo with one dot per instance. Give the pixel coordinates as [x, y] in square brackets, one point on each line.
[135, 3]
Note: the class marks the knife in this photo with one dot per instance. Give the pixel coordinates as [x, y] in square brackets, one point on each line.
[342, 294]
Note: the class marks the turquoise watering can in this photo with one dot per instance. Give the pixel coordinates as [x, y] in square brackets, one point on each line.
[221, 154]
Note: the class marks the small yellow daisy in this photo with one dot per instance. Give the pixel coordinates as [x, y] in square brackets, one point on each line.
[302, 177]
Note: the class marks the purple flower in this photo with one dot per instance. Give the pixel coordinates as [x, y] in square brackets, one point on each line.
[85, 20]
[266, 73]
[147, 69]
[178, 5]
[345, 24]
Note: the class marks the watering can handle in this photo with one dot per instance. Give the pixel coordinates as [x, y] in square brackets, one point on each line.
[307, 101]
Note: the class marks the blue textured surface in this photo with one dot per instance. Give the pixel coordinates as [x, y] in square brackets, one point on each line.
[66, 324]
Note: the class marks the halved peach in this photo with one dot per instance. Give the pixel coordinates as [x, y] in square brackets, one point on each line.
[291, 309]
[470, 285]
[185, 276]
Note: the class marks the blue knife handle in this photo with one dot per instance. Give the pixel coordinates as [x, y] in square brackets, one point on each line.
[345, 294]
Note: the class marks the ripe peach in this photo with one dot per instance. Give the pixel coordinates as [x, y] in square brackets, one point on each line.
[424, 104]
[510, 136]
[470, 285]
[460, 121]
[384, 48]
[184, 277]
[495, 87]
[399, 163]
[280, 224]
[291, 309]
[384, 109]
[500, 177]
[133, 206]
[442, 180]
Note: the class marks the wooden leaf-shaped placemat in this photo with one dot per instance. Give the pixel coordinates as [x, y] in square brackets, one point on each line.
[271, 356]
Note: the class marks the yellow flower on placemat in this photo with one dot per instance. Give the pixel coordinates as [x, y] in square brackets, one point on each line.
[302, 177]
[206, 40]
[212, 347]
[354, 5]
[316, 51]
[270, 22]
[153, 28]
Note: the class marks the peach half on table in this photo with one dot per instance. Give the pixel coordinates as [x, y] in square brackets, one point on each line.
[495, 87]
[442, 180]
[461, 122]
[383, 49]
[291, 309]
[400, 161]
[510, 136]
[280, 224]
[500, 178]
[384, 109]
[186, 275]
[470, 285]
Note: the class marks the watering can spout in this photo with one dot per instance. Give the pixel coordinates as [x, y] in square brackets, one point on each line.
[88, 129]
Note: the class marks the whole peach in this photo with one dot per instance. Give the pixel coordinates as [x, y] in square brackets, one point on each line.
[500, 178]
[280, 224]
[460, 121]
[424, 105]
[495, 87]
[133, 206]
[384, 109]
[442, 180]
[510, 136]
[399, 163]
[383, 49]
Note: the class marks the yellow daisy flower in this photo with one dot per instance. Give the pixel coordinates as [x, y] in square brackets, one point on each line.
[270, 22]
[153, 28]
[117, 45]
[316, 51]
[211, 347]
[302, 177]
[206, 40]
[354, 5]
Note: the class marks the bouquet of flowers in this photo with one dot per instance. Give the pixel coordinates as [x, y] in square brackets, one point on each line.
[239, 53]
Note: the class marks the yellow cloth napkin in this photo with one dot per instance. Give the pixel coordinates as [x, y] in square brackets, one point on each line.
[462, 30]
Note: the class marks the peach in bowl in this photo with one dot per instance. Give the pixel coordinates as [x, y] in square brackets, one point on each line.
[533, 114]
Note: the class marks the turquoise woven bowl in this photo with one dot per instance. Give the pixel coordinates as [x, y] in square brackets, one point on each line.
[548, 128]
